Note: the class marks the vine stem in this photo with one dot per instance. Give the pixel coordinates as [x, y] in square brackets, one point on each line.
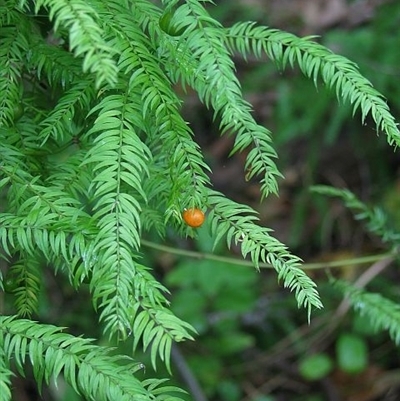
[236, 261]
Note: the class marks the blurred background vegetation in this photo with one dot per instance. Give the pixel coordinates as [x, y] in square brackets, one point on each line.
[253, 343]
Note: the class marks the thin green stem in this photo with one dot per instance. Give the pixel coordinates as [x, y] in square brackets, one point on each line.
[306, 266]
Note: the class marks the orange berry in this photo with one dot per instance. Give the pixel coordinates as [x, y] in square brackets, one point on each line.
[193, 217]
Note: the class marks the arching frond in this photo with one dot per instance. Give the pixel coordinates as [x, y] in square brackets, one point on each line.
[316, 61]
[237, 223]
[85, 36]
[382, 312]
[205, 63]
[91, 370]
[118, 157]
[376, 220]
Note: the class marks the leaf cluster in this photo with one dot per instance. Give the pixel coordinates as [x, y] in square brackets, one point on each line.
[383, 313]
[95, 153]
[376, 220]
[94, 372]
[317, 62]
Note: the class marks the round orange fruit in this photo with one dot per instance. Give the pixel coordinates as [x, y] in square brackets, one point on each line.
[193, 217]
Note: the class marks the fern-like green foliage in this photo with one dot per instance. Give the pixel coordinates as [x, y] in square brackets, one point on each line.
[238, 224]
[92, 371]
[84, 35]
[315, 60]
[95, 153]
[376, 220]
[383, 313]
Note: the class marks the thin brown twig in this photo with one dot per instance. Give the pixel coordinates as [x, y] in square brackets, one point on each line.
[366, 277]
[344, 306]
